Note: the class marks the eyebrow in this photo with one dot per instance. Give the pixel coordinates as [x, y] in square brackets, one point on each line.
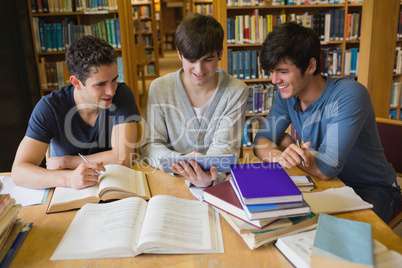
[279, 69]
[104, 82]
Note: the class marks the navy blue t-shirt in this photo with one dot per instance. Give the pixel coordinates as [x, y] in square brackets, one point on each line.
[56, 120]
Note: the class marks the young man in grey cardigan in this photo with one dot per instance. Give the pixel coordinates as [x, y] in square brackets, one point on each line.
[198, 109]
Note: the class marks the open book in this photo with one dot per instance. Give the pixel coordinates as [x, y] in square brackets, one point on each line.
[117, 182]
[129, 227]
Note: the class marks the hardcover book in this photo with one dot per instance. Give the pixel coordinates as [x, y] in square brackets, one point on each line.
[266, 211]
[129, 227]
[117, 182]
[264, 183]
[223, 197]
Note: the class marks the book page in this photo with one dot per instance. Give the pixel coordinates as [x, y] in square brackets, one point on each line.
[103, 231]
[335, 200]
[66, 194]
[176, 224]
[123, 178]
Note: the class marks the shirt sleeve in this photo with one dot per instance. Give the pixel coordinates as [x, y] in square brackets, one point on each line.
[38, 125]
[345, 118]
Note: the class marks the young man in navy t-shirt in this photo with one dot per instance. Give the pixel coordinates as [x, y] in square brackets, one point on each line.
[95, 116]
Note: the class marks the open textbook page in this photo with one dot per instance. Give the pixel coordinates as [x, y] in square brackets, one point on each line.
[117, 182]
[130, 226]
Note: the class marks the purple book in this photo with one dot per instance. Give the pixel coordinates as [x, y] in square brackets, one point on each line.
[264, 183]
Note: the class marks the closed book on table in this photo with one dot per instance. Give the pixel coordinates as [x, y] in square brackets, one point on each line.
[266, 211]
[223, 197]
[264, 183]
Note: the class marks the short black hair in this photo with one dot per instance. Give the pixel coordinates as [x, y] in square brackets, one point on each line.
[291, 41]
[87, 53]
[198, 35]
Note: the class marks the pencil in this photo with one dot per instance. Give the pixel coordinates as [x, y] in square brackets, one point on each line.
[302, 160]
[86, 160]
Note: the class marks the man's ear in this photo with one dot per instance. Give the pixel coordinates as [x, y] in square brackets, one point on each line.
[75, 82]
[312, 66]
[220, 54]
[178, 53]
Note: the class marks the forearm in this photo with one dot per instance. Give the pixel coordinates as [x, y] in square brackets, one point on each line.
[267, 150]
[313, 169]
[32, 176]
[113, 156]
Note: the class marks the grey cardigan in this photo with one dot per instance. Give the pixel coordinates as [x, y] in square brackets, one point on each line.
[172, 127]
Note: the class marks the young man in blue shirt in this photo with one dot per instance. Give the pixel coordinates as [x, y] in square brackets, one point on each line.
[334, 118]
[95, 116]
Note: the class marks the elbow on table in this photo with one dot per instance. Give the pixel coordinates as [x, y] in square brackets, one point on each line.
[17, 179]
[323, 177]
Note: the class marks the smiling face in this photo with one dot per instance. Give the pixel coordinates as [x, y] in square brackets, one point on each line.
[99, 88]
[201, 72]
[289, 79]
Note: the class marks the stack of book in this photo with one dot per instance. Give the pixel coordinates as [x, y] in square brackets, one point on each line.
[265, 199]
[13, 230]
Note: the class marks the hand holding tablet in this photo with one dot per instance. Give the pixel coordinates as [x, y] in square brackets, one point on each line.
[221, 162]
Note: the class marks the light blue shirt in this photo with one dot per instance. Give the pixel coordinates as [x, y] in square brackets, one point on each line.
[342, 128]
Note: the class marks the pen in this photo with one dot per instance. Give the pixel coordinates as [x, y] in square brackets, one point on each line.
[86, 160]
[302, 160]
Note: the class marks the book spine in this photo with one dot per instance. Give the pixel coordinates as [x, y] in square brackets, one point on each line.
[118, 39]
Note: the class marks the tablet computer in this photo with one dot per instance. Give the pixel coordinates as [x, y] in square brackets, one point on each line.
[221, 162]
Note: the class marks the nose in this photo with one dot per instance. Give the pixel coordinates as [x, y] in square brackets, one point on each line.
[198, 66]
[275, 78]
[110, 89]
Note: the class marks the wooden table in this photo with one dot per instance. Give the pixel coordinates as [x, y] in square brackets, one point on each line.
[48, 230]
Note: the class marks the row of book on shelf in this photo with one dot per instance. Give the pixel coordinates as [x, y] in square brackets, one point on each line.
[399, 33]
[232, 3]
[245, 64]
[13, 230]
[58, 36]
[331, 61]
[396, 100]
[394, 115]
[205, 9]
[260, 98]
[143, 12]
[261, 202]
[329, 24]
[398, 60]
[144, 27]
[54, 74]
[55, 6]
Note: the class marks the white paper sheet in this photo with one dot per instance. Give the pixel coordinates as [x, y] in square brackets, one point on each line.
[22, 195]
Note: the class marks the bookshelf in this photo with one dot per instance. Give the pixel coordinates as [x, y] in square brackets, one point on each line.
[146, 10]
[72, 21]
[377, 44]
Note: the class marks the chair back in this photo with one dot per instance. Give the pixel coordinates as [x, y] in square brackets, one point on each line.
[391, 139]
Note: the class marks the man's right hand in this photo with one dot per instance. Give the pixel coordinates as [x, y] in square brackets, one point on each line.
[85, 175]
